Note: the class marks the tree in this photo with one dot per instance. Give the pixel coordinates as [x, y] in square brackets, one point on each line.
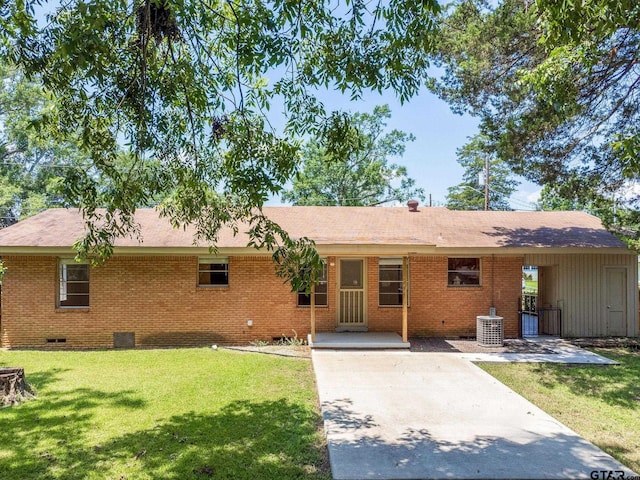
[554, 198]
[179, 89]
[468, 195]
[574, 194]
[31, 165]
[555, 85]
[355, 172]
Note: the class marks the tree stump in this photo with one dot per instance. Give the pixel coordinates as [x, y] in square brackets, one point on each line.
[13, 387]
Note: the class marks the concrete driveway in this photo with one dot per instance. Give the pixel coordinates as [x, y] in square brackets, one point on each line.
[403, 415]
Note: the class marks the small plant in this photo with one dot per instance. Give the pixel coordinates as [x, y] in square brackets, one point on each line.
[258, 343]
[292, 341]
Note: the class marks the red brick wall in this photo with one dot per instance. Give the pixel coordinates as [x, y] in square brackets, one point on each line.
[158, 299]
[381, 319]
[155, 297]
[438, 310]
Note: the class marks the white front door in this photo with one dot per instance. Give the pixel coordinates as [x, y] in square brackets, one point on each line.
[352, 296]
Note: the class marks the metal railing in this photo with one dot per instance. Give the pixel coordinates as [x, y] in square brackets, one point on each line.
[530, 304]
[538, 321]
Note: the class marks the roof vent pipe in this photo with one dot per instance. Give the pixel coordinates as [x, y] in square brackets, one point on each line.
[413, 205]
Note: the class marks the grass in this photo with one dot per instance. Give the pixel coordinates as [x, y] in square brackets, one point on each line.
[600, 403]
[163, 414]
[531, 287]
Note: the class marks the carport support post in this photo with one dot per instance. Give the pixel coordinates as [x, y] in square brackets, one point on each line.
[405, 299]
[313, 313]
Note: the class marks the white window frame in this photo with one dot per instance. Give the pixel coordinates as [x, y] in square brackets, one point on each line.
[217, 261]
[321, 281]
[63, 281]
[394, 261]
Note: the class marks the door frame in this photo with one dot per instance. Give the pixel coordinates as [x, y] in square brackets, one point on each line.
[365, 322]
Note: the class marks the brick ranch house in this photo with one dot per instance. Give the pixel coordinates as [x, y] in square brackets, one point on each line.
[163, 290]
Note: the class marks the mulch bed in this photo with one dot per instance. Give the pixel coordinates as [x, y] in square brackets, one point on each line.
[611, 342]
[442, 345]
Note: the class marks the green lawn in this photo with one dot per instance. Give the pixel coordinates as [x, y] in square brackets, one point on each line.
[600, 403]
[531, 286]
[163, 414]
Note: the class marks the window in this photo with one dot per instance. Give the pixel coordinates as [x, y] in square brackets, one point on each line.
[213, 272]
[73, 284]
[464, 272]
[390, 281]
[304, 299]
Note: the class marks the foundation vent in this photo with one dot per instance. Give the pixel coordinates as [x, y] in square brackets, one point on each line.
[124, 339]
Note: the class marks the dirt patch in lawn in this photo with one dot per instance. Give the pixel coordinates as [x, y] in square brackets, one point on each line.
[303, 351]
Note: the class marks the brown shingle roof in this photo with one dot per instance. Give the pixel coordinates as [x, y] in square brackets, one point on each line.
[348, 226]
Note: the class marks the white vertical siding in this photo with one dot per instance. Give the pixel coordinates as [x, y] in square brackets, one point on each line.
[581, 290]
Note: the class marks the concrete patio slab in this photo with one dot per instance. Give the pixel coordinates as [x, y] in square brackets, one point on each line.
[358, 340]
[402, 415]
[563, 352]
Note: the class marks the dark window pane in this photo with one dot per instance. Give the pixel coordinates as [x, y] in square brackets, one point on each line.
[304, 299]
[77, 272]
[220, 267]
[464, 264]
[75, 301]
[463, 271]
[390, 282]
[321, 299]
[462, 278]
[390, 287]
[73, 285]
[390, 298]
[472, 279]
[351, 274]
[77, 288]
[219, 278]
[213, 274]
[389, 274]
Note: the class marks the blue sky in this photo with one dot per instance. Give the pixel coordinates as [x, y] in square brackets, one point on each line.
[431, 158]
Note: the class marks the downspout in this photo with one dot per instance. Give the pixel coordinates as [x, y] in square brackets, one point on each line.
[313, 313]
[493, 266]
[405, 301]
